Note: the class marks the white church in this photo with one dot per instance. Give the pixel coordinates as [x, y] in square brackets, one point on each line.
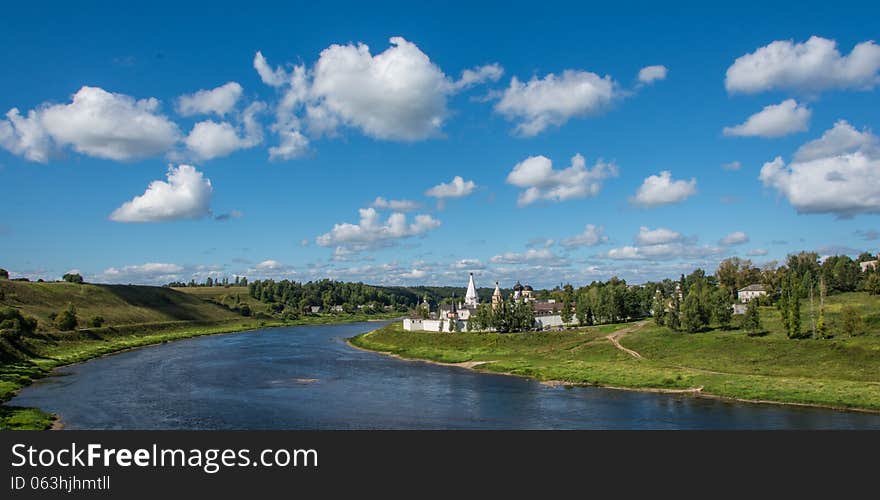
[547, 312]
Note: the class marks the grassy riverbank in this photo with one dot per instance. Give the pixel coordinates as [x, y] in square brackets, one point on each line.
[135, 316]
[840, 373]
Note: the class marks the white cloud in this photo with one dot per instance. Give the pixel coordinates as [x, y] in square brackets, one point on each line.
[553, 100]
[661, 189]
[841, 139]
[396, 205]
[414, 274]
[96, 123]
[659, 236]
[457, 188]
[467, 264]
[531, 256]
[757, 252]
[732, 166]
[837, 174]
[542, 182]
[398, 94]
[372, 233]
[186, 195]
[149, 273]
[25, 136]
[480, 74]
[592, 235]
[272, 77]
[734, 238]
[775, 120]
[209, 139]
[810, 67]
[665, 251]
[650, 74]
[293, 145]
[220, 100]
[844, 185]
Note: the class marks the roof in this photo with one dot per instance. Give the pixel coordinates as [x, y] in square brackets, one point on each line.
[528, 288]
[517, 287]
[753, 288]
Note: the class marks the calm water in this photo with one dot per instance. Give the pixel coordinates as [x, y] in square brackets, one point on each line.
[308, 378]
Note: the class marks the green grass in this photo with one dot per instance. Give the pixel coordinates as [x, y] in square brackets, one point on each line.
[135, 316]
[843, 372]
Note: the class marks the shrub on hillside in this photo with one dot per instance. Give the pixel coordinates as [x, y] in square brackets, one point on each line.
[66, 319]
[13, 325]
[96, 322]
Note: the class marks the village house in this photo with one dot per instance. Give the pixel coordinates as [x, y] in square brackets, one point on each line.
[751, 292]
[869, 264]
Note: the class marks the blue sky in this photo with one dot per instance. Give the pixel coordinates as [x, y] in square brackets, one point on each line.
[108, 103]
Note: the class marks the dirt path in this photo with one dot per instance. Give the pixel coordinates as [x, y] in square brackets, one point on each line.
[615, 339]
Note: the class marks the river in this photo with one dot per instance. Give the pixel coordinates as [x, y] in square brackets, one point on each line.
[307, 377]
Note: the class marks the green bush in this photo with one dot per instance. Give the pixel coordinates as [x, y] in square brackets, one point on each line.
[13, 325]
[96, 322]
[66, 319]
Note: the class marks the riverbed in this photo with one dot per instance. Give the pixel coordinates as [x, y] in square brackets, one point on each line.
[307, 377]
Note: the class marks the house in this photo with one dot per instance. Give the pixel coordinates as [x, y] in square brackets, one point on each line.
[315, 309]
[336, 309]
[751, 292]
[739, 309]
[869, 264]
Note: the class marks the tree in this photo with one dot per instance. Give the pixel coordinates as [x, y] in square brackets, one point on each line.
[73, 278]
[851, 322]
[658, 308]
[244, 310]
[821, 328]
[691, 315]
[4, 274]
[752, 319]
[96, 322]
[453, 325]
[66, 319]
[794, 317]
[872, 283]
[722, 307]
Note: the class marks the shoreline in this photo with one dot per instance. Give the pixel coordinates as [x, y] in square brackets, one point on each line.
[696, 392]
[57, 422]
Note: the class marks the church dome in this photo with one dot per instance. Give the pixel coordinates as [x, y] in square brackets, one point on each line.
[517, 287]
[528, 288]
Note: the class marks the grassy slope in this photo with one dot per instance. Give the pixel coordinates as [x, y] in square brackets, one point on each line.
[135, 316]
[842, 372]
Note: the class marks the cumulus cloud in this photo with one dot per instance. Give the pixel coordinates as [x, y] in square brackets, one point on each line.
[775, 120]
[734, 238]
[757, 252]
[666, 251]
[467, 264]
[553, 100]
[220, 100]
[25, 136]
[657, 190]
[149, 273]
[480, 74]
[273, 77]
[809, 67]
[96, 123]
[842, 138]
[396, 205]
[457, 188]
[835, 174]
[659, 236]
[209, 139]
[372, 233]
[651, 74]
[398, 94]
[592, 236]
[542, 182]
[543, 256]
[185, 195]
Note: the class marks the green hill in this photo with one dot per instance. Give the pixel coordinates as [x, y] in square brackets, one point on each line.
[119, 305]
